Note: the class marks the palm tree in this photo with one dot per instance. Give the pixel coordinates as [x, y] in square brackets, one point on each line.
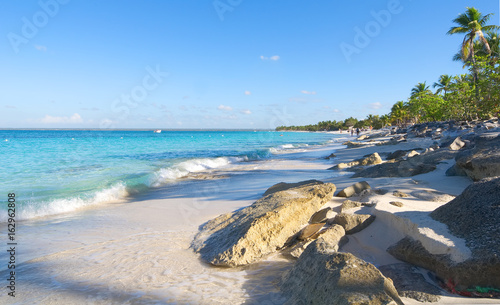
[472, 23]
[493, 39]
[443, 84]
[419, 88]
[398, 112]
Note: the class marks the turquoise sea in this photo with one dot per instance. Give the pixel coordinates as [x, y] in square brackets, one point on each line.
[57, 171]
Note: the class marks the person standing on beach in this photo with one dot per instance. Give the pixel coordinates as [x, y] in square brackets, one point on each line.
[357, 131]
[352, 131]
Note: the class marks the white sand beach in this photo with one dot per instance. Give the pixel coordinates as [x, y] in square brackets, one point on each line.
[138, 251]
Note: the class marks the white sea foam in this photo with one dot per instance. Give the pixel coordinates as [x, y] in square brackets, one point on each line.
[30, 210]
[183, 169]
[288, 148]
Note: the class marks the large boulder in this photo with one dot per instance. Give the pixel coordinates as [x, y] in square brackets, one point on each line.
[323, 276]
[473, 216]
[283, 186]
[482, 159]
[246, 235]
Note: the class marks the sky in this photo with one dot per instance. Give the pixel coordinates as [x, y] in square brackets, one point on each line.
[228, 64]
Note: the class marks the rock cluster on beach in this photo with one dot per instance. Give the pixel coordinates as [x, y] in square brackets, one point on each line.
[274, 223]
[296, 220]
[244, 236]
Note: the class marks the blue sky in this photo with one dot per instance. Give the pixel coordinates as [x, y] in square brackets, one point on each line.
[218, 64]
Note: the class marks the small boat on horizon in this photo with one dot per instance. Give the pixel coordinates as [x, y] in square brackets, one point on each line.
[157, 131]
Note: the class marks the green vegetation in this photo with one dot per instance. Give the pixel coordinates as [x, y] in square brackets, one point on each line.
[470, 96]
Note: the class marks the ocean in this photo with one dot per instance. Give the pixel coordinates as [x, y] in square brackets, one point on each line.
[58, 171]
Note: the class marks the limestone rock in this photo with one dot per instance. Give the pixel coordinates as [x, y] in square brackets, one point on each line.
[349, 204]
[400, 194]
[476, 271]
[282, 186]
[362, 137]
[246, 235]
[371, 160]
[482, 160]
[417, 165]
[299, 248]
[333, 235]
[433, 196]
[368, 160]
[354, 189]
[353, 223]
[323, 276]
[351, 144]
[413, 153]
[397, 203]
[457, 144]
[322, 215]
[399, 169]
[398, 154]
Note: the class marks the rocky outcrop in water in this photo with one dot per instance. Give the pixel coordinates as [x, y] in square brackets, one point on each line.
[246, 235]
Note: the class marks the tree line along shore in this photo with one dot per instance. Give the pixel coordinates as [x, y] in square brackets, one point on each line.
[474, 95]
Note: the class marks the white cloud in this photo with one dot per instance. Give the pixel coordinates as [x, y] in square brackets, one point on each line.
[375, 105]
[246, 111]
[10, 106]
[74, 119]
[248, 92]
[41, 48]
[225, 108]
[308, 92]
[274, 57]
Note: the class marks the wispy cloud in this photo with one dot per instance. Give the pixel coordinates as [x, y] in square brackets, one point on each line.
[274, 57]
[375, 105]
[10, 107]
[246, 111]
[225, 108]
[308, 92]
[41, 48]
[74, 119]
[248, 92]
